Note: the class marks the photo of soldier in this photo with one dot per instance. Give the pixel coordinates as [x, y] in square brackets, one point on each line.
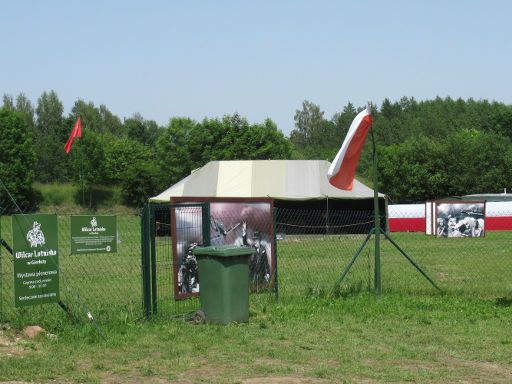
[240, 224]
[188, 235]
[246, 224]
[259, 269]
[188, 278]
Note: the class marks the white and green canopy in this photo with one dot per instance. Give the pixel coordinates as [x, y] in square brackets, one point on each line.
[278, 179]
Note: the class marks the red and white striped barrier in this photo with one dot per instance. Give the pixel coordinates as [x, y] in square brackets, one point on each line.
[498, 216]
[406, 217]
[412, 218]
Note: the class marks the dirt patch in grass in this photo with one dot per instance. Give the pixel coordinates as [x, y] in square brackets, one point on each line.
[284, 380]
[115, 379]
[10, 345]
[467, 371]
[482, 371]
[14, 382]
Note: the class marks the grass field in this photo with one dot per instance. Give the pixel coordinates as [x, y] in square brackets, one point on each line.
[460, 266]
[357, 339]
[411, 333]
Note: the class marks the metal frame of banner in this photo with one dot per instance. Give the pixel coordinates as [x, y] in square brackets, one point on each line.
[377, 231]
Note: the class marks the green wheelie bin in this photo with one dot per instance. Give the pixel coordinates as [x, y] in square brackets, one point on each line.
[224, 282]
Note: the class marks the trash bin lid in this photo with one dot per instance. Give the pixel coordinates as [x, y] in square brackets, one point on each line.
[223, 251]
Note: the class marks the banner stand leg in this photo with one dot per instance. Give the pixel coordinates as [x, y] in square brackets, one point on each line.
[353, 259]
[402, 252]
[409, 258]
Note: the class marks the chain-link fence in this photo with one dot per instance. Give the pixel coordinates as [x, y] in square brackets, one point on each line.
[297, 252]
[106, 285]
[173, 281]
[475, 259]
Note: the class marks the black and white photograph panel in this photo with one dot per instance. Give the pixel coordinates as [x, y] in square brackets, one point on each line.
[188, 236]
[456, 219]
[246, 224]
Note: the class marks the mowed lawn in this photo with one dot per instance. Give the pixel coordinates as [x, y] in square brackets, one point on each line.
[411, 333]
[459, 266]
[355, 339]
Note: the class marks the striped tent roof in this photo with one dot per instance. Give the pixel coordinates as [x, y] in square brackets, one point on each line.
[279, 179]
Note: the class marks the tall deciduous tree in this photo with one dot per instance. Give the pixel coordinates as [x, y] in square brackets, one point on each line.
[50, 135]
[173, 153]
[24, 106]
[17, 159]
[186, 145]
[144, 131]
[89, 163]
[97, 119]
[8, 102]
[313, 134]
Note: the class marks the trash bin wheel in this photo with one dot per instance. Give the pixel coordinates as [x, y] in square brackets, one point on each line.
[199, 317]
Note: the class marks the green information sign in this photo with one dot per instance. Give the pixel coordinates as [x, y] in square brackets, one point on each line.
[36, 259]
[93, 234]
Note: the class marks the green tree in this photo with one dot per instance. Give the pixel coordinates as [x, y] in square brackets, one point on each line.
[265, 141]
[413, 171]
[131, 165]
[110, 122]
[24, 106]
[8, 102]
[141, 180]
[17, 159]
[120, 154]
[89, 164]
[95, 119]
[186, 145]
[173, 152]
[144, 131]
[307, 120]
[50, 134]
[477, 162]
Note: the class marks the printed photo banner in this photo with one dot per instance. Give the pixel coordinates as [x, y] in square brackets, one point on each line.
[460, 219]
[238, 222]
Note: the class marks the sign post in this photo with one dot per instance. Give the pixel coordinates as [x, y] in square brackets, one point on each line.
[36, 259]
[93, 234]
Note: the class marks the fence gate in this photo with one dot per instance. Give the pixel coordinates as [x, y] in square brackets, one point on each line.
[169, 232]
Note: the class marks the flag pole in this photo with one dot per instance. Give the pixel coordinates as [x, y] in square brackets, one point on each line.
[377, 231]
[376, 212]
[81, 173]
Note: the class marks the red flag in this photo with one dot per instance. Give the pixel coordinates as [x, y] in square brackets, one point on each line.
[343, 168]
[77, 132]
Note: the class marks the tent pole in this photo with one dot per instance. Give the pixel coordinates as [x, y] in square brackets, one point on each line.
[327, 216]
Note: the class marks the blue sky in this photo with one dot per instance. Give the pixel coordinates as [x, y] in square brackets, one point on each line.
[259, 58]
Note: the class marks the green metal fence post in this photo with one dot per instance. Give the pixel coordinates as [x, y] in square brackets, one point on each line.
[276, 281]
[1, 276]
[206, 223]
[146, 291]
[152, 249]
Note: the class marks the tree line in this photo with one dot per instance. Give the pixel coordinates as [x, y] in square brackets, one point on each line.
[136, 154]
[426, 149]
